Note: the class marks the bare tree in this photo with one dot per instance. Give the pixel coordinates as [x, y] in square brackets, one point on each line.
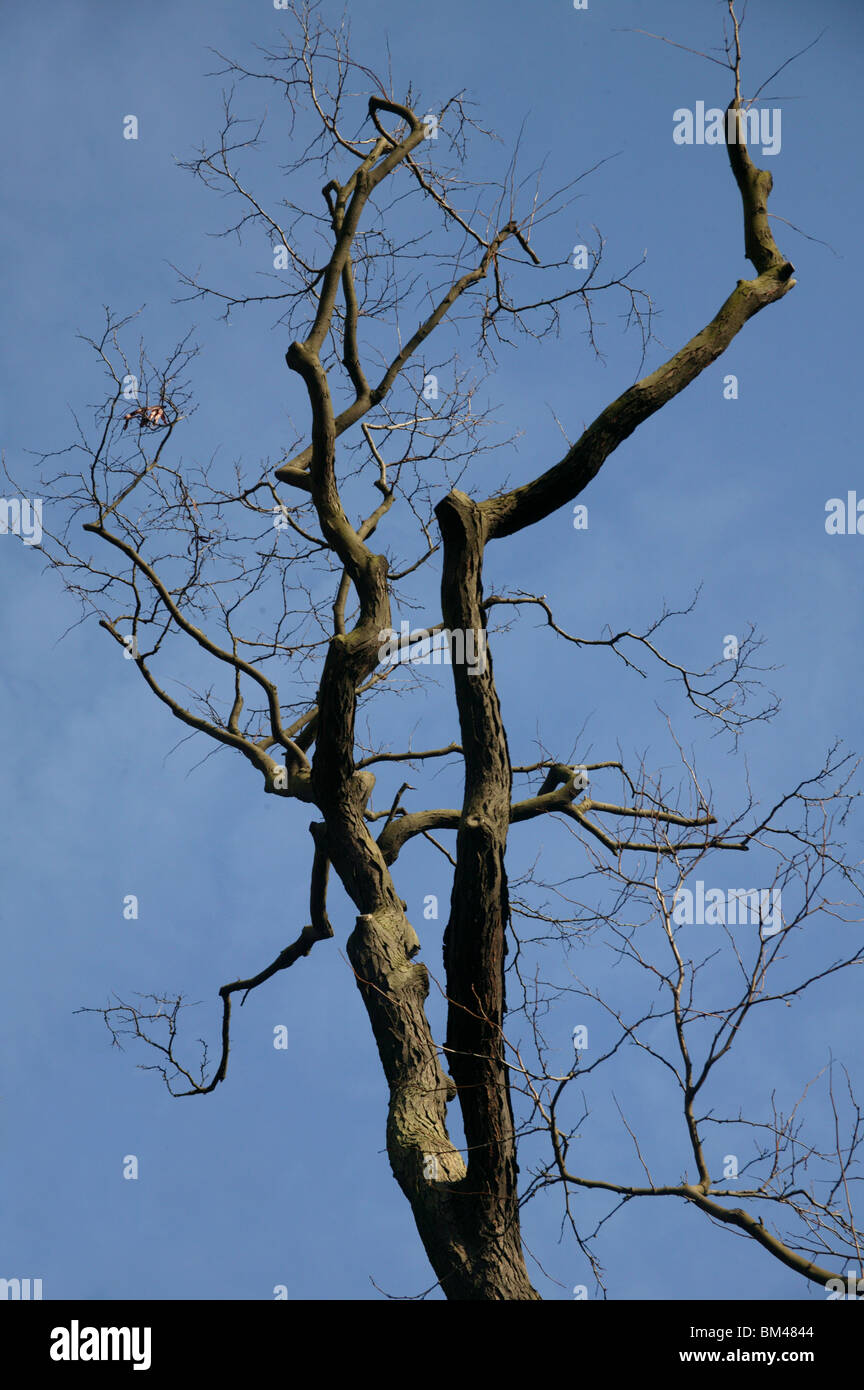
[403, 245]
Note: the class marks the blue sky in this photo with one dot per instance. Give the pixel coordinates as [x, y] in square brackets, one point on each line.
[280, 1177]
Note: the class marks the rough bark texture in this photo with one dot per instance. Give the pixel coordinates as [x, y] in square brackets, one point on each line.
[468, 1219]
[475, 937]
